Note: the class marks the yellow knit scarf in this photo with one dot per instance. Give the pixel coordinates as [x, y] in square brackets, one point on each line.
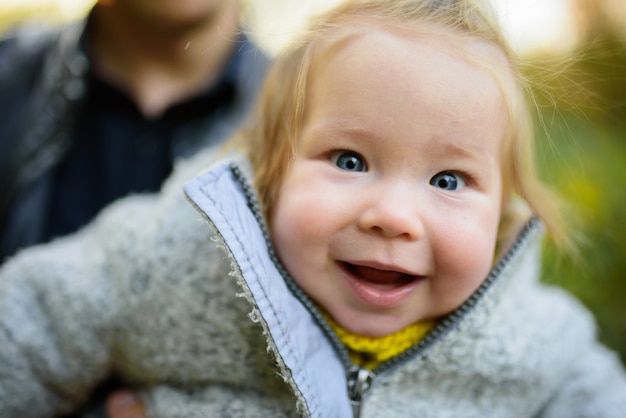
[369, 352]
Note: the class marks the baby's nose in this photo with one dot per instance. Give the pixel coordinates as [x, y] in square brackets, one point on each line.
[393, 213]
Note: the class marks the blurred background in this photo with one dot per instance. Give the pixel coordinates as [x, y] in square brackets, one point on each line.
[574, 54]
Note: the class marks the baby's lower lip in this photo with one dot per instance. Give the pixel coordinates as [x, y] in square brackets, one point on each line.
[387, 292]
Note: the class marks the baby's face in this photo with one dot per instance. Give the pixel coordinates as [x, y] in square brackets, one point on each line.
[389, 212]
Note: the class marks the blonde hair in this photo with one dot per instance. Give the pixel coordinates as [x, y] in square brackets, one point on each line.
[271, 138]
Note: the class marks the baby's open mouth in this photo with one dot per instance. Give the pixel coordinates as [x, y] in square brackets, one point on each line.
[381, 279]
[380, 288]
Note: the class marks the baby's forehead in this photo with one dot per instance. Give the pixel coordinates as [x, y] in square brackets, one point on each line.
[355, 42]
[378, 75]
[473, 48]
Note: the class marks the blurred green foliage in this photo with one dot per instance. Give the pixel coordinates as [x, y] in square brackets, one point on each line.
[581, 132]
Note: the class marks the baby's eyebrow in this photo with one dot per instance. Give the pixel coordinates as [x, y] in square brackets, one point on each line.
[452, 148]
[439, 146]
[343, 130]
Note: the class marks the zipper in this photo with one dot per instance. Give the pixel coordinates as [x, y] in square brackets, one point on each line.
[359, 379]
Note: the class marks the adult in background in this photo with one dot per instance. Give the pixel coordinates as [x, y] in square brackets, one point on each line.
[103, 107]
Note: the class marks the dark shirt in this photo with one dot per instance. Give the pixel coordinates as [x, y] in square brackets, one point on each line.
[116, 151]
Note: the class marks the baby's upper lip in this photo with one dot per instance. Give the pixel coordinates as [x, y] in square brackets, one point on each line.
[381, 266]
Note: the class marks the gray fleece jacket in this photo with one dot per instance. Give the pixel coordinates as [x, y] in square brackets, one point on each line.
[188, 304]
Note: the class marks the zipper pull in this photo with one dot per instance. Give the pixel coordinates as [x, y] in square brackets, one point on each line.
[359, 381]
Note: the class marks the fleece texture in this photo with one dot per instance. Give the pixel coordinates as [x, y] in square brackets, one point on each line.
[184, 302]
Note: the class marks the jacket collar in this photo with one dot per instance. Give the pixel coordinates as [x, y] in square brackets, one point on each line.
[291, 333]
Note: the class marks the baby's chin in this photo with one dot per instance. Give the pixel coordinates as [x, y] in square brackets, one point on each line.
[373, 325]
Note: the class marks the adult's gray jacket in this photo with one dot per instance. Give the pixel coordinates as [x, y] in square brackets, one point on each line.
[183, 299]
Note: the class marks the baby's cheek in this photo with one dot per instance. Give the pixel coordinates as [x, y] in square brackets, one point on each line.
[294, 229]
[465, 268]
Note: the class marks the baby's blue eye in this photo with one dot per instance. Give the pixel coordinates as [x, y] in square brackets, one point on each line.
[349, 161]
[447, 180]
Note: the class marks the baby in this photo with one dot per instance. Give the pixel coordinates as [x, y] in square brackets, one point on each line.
[366, 251]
